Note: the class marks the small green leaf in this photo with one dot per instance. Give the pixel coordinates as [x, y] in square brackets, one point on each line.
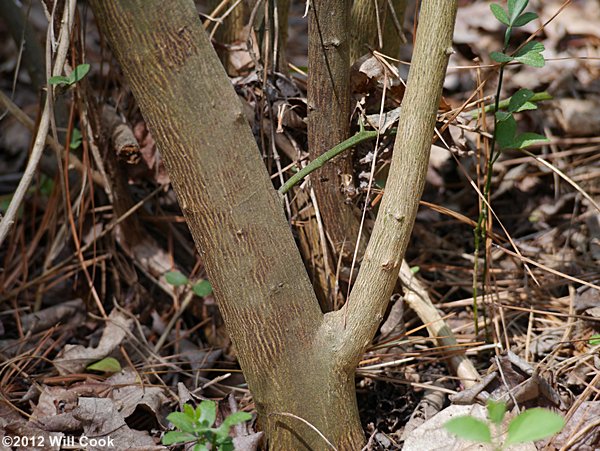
[524, 19]
[503, 116]
[499, 13]
[190, 412]
[76, 139]
[202, 288]
[496, 411]
[528, 139]
[172, 437]
[501, 57]
[200, 447]
[532, 425]
[515, 8]
[227, 445]
[175, 278]
[58, 80]
[222, 432]
[526, 107]
[181, 421]
[208, 413]
[415, 269]
[531, 46]
[469, 428]
[594, 340]
[518, 99]
[532, 59]
[78, 73]
[505, 132]
[530, 54]
[237, 418]
[107, 365]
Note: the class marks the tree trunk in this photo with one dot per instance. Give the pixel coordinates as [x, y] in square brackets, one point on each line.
[329, 117]
[237, 222]
[232, 30]
[299, 363]
[283, 12]
[370, 18]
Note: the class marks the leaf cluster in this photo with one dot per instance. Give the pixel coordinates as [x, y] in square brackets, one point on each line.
[529, 426]
[196, 425]
[201, 287]
[514, 17]
[506, 125]
[530, 54]
[76, 75]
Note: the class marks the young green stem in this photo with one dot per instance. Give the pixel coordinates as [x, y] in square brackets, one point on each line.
[481, 228]
[318, 162]
[491, 108]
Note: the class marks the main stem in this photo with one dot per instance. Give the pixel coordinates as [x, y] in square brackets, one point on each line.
[286, 351]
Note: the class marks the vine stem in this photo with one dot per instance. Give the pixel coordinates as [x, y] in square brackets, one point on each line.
[361, 136]
[481, 228]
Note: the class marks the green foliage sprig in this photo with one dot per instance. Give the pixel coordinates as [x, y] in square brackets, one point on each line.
[505, 125]
[529, 426]
[197, 425]
[200, 288]
[76, 75]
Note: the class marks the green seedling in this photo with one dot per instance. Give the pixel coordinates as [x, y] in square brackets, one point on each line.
[76, 139]
[529, 426]
[196, 425]
[200, 288]
[78, 73]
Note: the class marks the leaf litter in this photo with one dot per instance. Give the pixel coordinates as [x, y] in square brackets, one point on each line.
[540, 353]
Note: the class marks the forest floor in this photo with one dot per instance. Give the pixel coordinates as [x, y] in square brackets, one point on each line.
[104, 335]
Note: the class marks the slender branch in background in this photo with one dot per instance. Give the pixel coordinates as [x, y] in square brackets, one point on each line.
[40, 140]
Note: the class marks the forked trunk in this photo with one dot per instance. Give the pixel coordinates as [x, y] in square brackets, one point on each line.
[299, 363]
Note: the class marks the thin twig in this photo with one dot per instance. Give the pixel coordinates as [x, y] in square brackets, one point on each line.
[40, 140]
